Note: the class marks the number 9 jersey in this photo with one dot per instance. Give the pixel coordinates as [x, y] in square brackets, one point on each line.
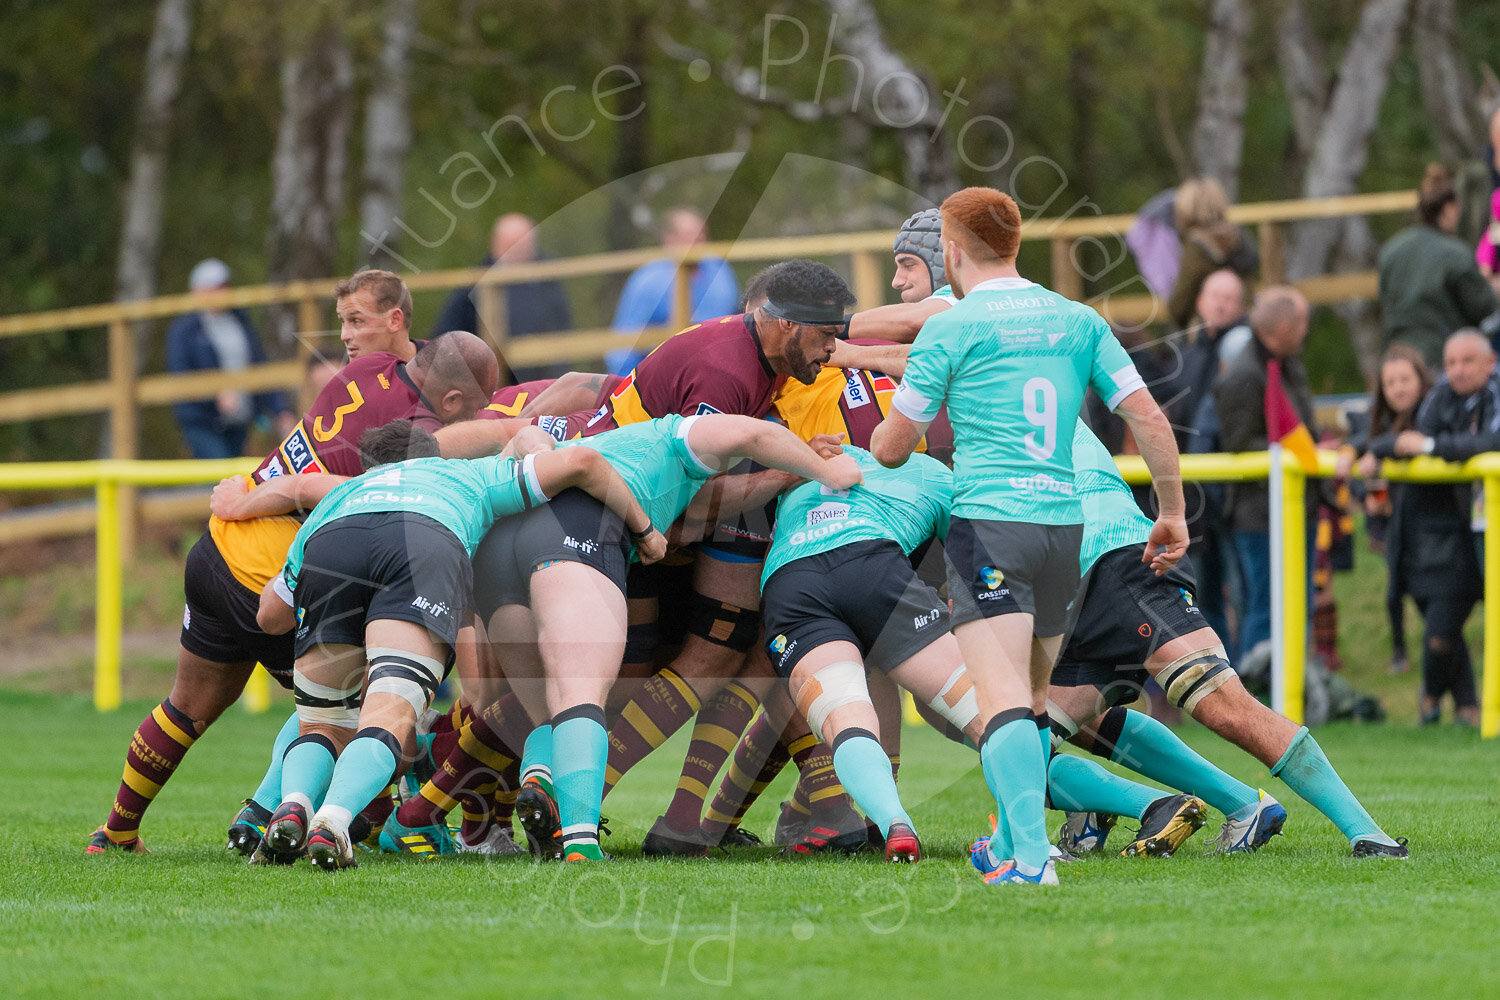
[1012, 361]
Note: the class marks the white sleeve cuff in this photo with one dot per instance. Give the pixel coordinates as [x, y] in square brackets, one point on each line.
[913, 405]
[682, 432]
[1127, 380]
[533, 485]
[281, 590]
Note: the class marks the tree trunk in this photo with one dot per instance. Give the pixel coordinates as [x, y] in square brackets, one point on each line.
[1304, 71]
[1339, 153]
[632, 142]
[140, 239]
[388, 134]
[1453, 107]
[307, 164]
[1219, 132]
[907, 102]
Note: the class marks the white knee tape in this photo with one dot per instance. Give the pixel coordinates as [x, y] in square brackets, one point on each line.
[957, 702]
[323, 704]
[405, 675]
[1060, 720]
[1189, 679]
[834, 686]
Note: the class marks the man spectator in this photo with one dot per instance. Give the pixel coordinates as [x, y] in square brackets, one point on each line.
[1435, 552]
[1203, 350]
[216, 338]
[649, 291]
[1278, 321]
[531, 307]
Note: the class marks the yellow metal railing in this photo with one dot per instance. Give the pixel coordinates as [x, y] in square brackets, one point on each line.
[1289, 610]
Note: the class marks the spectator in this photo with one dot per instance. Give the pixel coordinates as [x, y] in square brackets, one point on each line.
[531, 307]
[1209, 242]
[214, 338]
[1429, 282]
[1278, 322]
[648, 295]
[1437, 555]
[1198, 354]
[1404, 383]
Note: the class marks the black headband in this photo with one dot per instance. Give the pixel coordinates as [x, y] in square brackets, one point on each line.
[805, 314]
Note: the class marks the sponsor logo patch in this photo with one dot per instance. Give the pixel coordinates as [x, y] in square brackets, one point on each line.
[920, 622]
[827, 512]
[587, 545]
[299, 453]
[854, 391]
[187, 617]
[438, 609]
[778, 645]
[705, 408]
[558, 426]
[1041, 483]
[1145, 630]
[992, 577]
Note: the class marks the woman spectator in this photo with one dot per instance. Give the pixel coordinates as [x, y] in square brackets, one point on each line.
[1430, 284]
[1209, 241]
[1404, 381]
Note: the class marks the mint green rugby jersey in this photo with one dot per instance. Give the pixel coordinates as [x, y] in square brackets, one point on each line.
[907, 505]
[1111, 517]
[464, 496]
[654, 459]
[1012, 360]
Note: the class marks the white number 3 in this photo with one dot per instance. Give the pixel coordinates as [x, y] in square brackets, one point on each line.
[1039, 399]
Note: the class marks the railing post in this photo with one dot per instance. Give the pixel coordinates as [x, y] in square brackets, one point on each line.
[1287, 538]
[108, 596]
[682, 296]
[1065, 277]
[1489, 702]
[123, 424]
[1272, 253]
[865, 267]
[494, 321]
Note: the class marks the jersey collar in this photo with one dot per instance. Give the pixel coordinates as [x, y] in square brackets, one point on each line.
[401, 374]
[1002, 284]
[759, 352]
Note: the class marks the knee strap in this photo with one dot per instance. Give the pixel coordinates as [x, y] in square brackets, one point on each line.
[319, 703]
[1188, 679]
[641, 642]
[723, 624]
[957, 701]
[834, 686]
[405, 675]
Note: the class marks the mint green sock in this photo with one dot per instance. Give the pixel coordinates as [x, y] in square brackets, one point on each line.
[865, 772]
[536, 755]
[1014, 772]
[1149, 747]
[306, 769]
[580, 750]
[1306, 770]
[268, 795]
[364, 769]
[1079, 785]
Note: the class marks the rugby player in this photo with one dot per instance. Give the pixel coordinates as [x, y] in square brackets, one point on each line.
[1133, 623]
[220, 644]
[376, 583]
[1012, 360]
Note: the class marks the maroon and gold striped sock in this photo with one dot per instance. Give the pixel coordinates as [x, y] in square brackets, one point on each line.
[664, 703]
[477, 760]
[825, 795]
[160, 742]
[757, 761]
[723, 719]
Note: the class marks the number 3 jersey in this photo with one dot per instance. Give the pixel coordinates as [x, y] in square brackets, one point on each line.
[370, 391]
[1012, 361]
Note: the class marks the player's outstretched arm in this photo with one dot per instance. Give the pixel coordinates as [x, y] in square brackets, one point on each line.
[889, 359]
[570, 393]
[720, 440]
[895, 439]
[900, 321]
[587, 470]
[234, 500]
[1153, 434]
[477, 438]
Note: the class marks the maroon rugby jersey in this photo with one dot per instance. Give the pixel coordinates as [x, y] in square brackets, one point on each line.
[715, 366]
[370, 391]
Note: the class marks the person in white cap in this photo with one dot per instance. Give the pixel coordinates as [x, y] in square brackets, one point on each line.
[223, 339]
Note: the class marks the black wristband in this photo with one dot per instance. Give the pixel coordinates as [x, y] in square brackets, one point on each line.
[639, 536]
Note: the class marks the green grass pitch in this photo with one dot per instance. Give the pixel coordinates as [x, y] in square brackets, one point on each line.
[1298, 919]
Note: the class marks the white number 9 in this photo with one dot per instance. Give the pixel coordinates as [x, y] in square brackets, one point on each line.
[1039, 400]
